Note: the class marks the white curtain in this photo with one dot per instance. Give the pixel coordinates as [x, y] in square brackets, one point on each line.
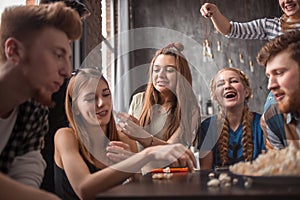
[122, 80]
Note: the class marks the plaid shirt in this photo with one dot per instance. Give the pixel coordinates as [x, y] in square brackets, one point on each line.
[279, 128]
[28, 133]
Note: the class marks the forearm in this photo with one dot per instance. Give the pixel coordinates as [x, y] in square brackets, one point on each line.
[151, 141]
[11, 189]
[113, 175]
[221, 23]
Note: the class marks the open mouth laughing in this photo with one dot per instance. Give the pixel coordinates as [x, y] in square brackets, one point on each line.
[230, 95]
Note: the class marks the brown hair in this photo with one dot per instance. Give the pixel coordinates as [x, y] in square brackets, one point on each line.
[185, 100]
[24, 22]
[75, 4]
[75, 85]
[289, 41]
[223, 124]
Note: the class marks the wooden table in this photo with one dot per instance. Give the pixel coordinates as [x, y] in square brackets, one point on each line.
[194, 186]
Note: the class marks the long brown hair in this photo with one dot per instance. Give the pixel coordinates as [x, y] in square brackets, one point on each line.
[223, 123]
[180, 114]
[76, 83]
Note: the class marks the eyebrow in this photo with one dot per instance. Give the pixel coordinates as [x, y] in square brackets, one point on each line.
[89, 94]
[272, 71]
[233, 77]
[106, 89]
[165, 66]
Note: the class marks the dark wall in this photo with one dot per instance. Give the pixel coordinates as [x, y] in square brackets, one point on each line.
[183, 22]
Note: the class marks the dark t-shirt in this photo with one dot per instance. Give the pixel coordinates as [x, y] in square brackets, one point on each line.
[62, 185]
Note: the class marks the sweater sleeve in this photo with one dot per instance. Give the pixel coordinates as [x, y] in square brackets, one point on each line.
[255, 29]
[28, 169]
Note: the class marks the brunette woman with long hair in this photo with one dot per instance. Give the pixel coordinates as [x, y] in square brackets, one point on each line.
[93, 155]
[168, 109]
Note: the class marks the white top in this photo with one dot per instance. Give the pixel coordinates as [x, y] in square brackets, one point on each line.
[28, 168]
[6, 127]
[158, 119]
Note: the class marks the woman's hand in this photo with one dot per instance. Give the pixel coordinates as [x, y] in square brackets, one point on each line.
[221, 23]
[175, 155]
[208, 9]
[133, 130]
[118, 151]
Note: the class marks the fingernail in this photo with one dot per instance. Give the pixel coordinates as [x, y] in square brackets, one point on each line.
[208, 14]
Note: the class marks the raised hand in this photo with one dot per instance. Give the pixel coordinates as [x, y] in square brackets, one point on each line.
[118, 151]
[208, 9]
[132, 129]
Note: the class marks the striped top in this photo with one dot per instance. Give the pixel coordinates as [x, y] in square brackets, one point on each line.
[262, 29]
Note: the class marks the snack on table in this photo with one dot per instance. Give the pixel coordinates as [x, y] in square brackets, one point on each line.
[285, 162]
[162, 175]
[224, 180]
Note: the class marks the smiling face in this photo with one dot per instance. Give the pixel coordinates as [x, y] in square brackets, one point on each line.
[164, 73]
[230, 92]
[95, 105]
[284, 81]
[291, 8]
[46, 63]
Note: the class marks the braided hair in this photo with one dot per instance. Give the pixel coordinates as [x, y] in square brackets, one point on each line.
[223, 123]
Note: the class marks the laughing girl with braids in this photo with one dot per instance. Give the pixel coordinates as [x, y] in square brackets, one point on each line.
[234, 134]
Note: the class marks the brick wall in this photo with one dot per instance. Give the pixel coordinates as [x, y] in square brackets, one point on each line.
[93, 24]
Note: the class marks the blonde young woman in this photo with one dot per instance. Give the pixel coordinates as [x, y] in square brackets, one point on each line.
[234, 134]
[168, 109]
[87, 153]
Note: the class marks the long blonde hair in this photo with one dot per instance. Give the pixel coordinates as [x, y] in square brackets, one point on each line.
[223, 124]
[76, 83]
[185, 102]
